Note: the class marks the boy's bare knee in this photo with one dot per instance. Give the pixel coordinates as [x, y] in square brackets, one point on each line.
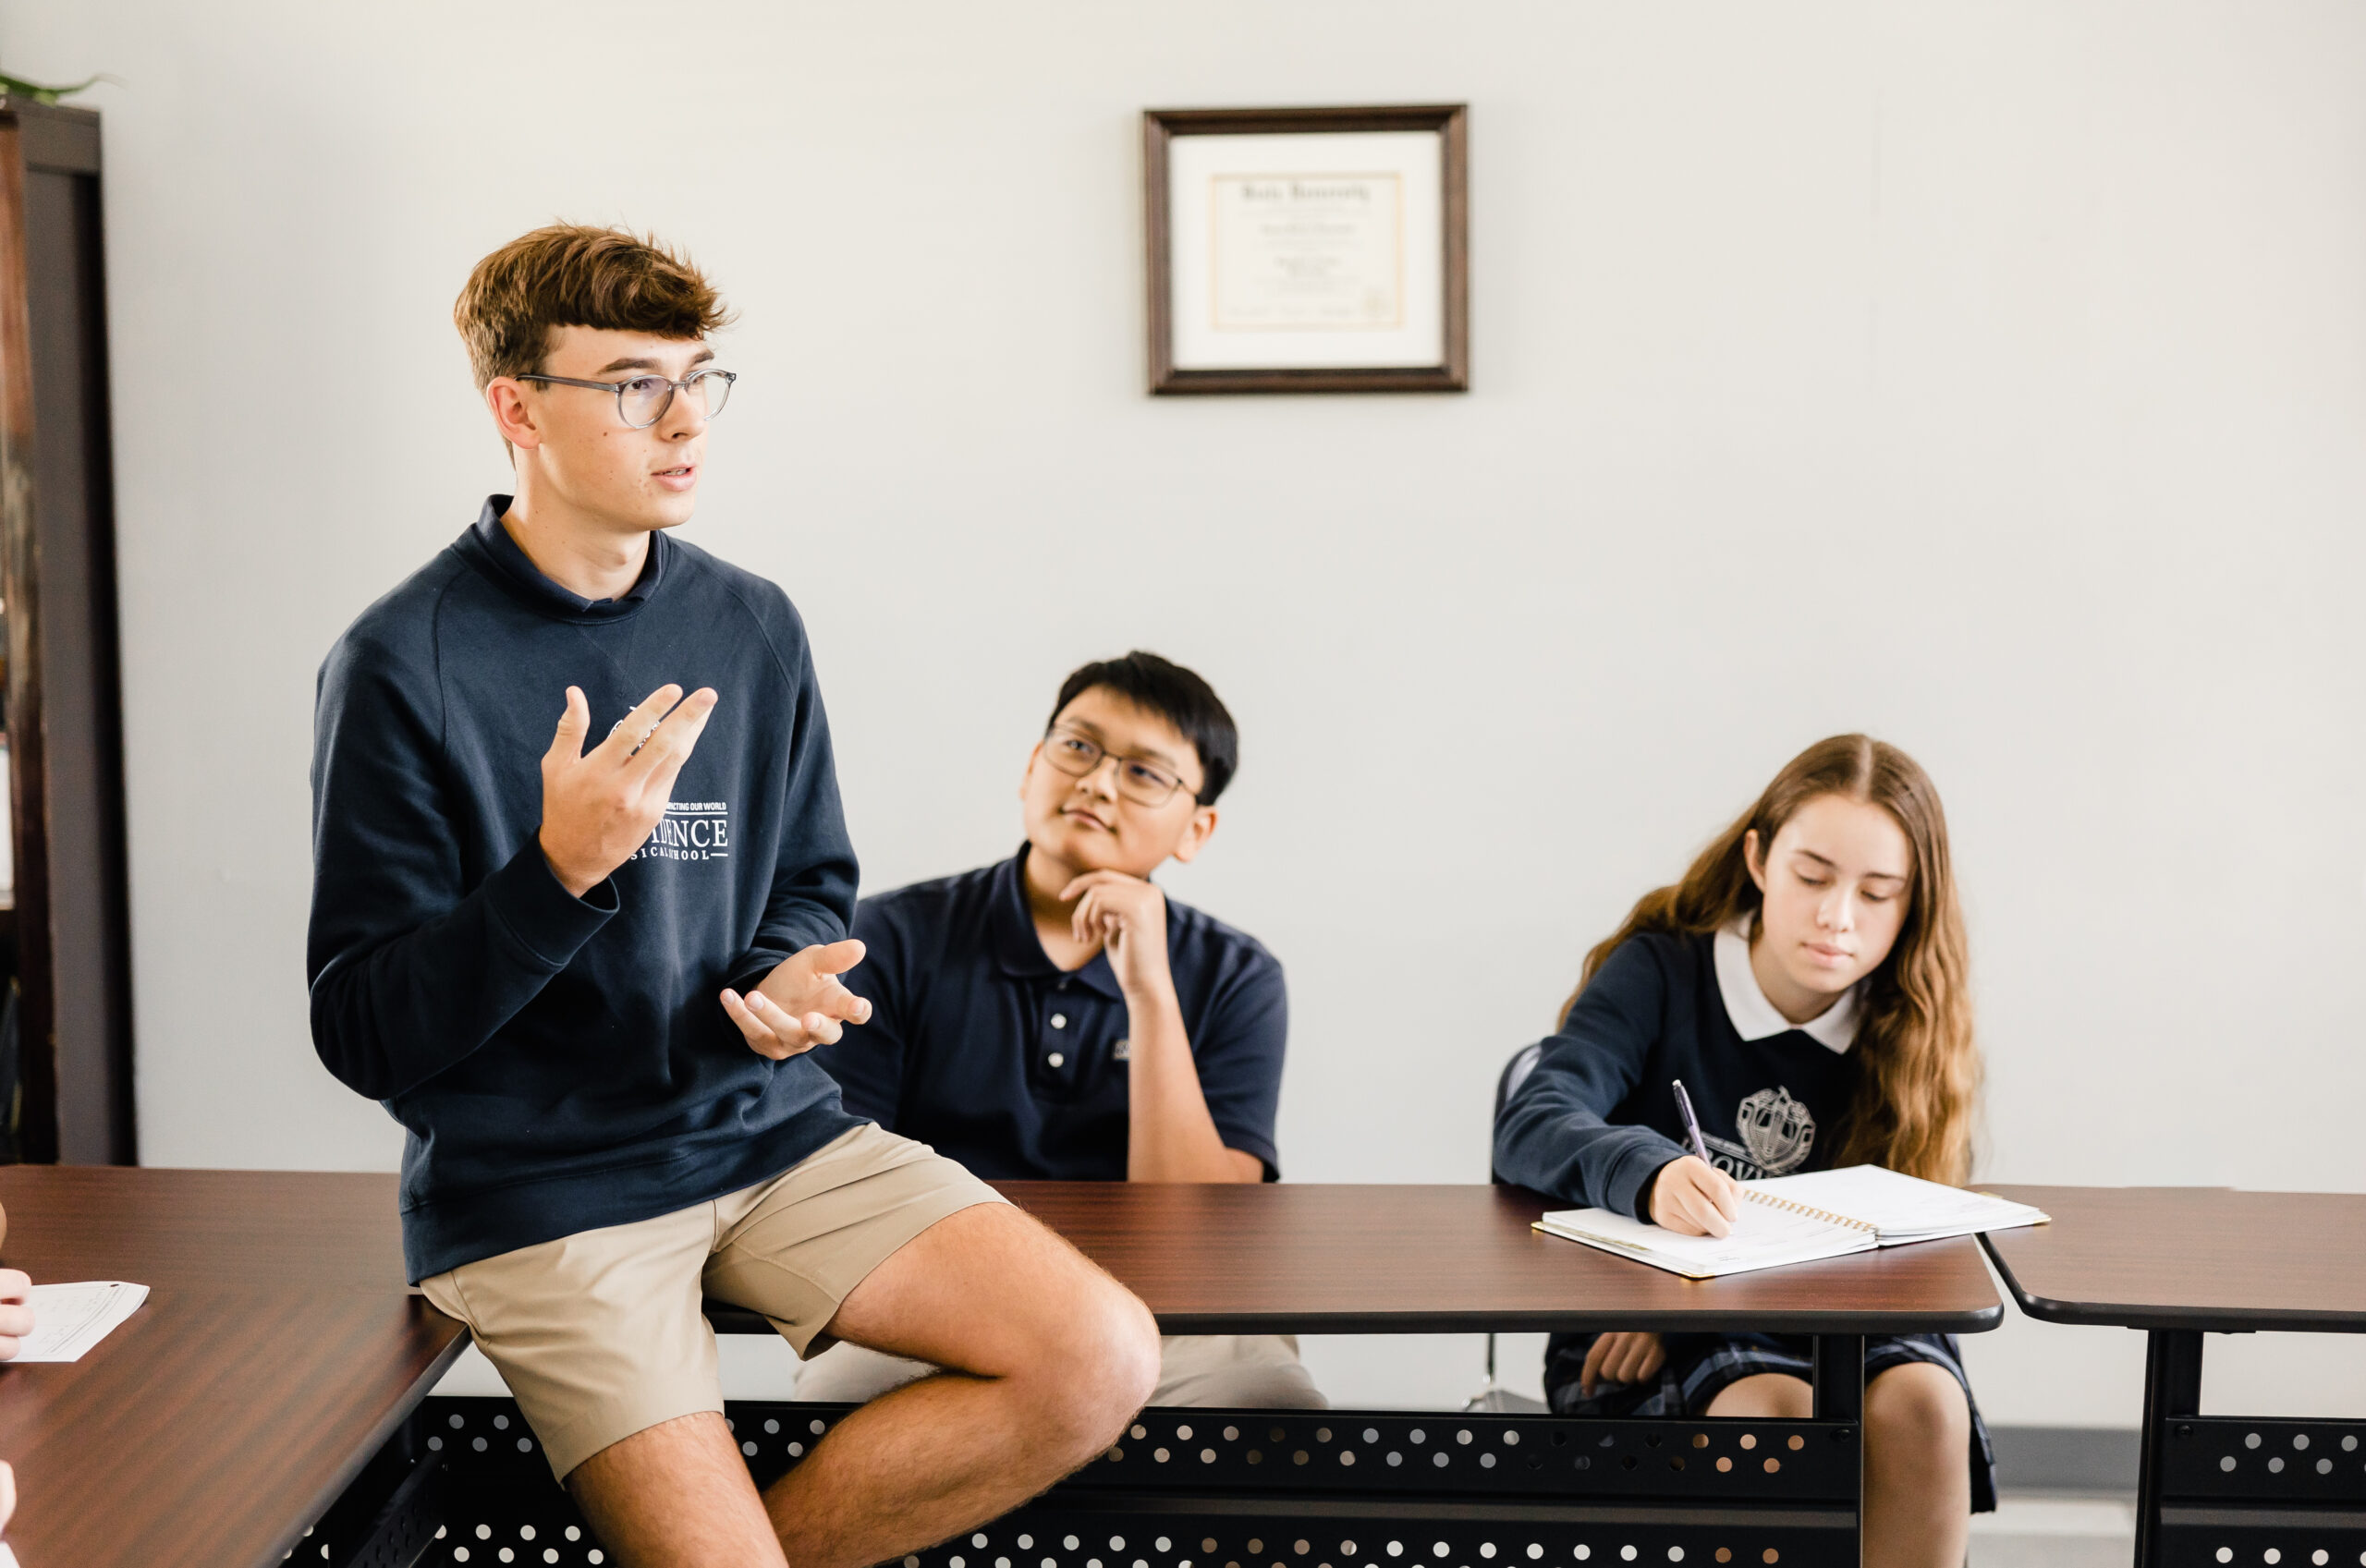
[1092, 1378]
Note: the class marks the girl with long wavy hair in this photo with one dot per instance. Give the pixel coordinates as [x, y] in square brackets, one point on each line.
[1806, 979]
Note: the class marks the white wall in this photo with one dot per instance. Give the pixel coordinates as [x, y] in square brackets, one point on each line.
[1989, 376]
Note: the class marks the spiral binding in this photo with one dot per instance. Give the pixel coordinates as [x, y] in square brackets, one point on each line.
[1826, 1215]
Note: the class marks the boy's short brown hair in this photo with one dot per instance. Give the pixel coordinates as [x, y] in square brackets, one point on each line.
[578, 276]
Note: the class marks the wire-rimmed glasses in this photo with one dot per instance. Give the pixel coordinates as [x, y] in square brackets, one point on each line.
[1144, 784]
[642, 401]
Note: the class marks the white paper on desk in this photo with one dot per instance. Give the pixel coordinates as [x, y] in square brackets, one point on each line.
[69, 1320]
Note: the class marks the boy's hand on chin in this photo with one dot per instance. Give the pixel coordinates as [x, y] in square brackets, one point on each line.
[801, 1004]
[1126, 915]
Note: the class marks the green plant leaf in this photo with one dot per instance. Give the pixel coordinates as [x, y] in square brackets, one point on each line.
[17, 87]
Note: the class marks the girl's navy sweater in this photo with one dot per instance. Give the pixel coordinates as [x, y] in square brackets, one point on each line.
[1596, 1119]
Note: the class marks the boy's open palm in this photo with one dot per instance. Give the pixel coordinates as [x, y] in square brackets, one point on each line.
[600, 806]
[801, 1004]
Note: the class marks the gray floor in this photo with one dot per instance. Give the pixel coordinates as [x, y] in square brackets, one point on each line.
[2055, 1530]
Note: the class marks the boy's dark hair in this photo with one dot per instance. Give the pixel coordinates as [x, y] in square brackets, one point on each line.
[1179, 695]
[577, 275]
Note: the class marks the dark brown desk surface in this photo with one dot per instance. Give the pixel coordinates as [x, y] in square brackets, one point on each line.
[2189, 1257]
[277, 1349]
[1312, 1258]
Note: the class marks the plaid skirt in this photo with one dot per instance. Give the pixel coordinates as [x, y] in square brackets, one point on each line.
[1701, 1367]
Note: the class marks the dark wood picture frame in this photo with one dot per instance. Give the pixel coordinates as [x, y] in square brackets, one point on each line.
[1450, 121]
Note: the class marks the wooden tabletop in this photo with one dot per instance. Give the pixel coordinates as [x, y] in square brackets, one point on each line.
[277, 1349]
[1310, 1258]
[2189, 1257]
[274, 1228]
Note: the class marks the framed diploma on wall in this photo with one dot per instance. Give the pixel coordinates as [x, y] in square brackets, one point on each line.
[1308, 250]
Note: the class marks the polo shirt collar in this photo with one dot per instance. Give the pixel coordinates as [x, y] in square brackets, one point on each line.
[1754, 1017]
[1020, 952]
[527, 582]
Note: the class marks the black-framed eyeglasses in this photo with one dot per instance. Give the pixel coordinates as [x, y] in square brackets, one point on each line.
[1144, 784]
[642, 400]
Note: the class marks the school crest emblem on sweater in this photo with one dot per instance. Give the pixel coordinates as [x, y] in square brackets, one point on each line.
[1777, 1131]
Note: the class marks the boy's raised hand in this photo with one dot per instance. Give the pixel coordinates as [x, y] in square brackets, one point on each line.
[600, 806]
[1693, 1199]
[801, 1004]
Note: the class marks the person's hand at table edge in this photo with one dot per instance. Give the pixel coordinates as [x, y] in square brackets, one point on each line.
[15, 1311]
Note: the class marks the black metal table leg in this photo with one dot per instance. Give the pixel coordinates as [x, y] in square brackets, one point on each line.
[2172, 1388]
[1840, 1397]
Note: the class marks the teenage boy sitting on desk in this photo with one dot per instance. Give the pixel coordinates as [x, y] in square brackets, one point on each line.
[1057, 1016]
[582, 972]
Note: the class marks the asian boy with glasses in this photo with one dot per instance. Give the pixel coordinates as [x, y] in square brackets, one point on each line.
[1056, 1015]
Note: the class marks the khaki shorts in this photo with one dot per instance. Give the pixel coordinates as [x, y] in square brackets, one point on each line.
[598, 1334]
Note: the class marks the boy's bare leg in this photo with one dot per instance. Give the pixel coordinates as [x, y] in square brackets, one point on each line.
[1047, 1358]
[674, 1495]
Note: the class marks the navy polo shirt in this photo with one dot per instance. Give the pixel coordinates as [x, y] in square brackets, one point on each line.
[979, 1046]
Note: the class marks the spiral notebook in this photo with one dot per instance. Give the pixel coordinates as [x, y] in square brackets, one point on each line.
[1800, 1219]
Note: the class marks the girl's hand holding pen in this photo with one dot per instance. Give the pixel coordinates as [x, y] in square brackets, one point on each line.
[1693, 1197]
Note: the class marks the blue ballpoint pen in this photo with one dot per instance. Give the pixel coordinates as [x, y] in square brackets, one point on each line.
[1691, 1123]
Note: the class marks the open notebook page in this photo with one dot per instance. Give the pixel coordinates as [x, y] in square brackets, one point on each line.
[1761, 1238]
[1902, 1208]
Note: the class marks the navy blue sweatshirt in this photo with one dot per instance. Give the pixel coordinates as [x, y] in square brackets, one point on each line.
[1596, 1119]
[563, 1064]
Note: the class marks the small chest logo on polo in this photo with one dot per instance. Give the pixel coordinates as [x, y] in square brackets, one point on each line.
[690, 830]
